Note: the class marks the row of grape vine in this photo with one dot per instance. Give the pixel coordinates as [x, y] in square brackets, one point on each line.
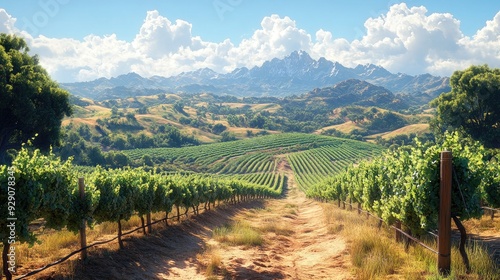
[404, 184]
[46, 187]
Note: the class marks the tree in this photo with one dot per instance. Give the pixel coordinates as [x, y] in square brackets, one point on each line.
[218, 128]
[131, 116]
[258, 122]
[31, 102]
[143, 110]
[179, 107]
[227, 136]
[472, 105]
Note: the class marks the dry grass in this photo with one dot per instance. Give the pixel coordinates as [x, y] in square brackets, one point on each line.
[374, 256]
[276, 226]
[291, 209]
[52, 246]
[335, 221]
[485, 223]
[238, 233]
[270, 107]
[346, 127]
[211, 261]
[375, 253]
[55, 244]
[418, 128]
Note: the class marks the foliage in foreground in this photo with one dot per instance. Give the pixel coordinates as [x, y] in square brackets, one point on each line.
[40, 186]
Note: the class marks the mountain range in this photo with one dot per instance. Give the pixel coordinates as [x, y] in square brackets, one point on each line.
[295, 74]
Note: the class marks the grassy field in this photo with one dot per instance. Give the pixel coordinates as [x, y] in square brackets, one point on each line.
[346, 127]
[418, 129]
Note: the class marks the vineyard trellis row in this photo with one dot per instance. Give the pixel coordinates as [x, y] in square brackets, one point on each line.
[403, 185]
[48, 189]
[83, 227]
[221, 157]
[312, 166]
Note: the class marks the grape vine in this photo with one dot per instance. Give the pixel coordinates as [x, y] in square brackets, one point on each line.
[404, 184]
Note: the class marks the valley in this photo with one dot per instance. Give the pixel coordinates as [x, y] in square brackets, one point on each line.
[242, 186]
[351, 109]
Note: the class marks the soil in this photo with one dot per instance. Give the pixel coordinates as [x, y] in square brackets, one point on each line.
[304, 251]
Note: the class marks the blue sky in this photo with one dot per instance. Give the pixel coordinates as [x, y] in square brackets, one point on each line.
[216, 20]
[106, 38]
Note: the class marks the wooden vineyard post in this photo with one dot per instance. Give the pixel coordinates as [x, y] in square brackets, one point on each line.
[444, 222]
[83, 235]
[399, 236]
[148, 221]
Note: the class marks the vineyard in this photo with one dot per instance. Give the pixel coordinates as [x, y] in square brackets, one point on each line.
[238, 156]
[47, 188]
[403, 186]
[398, 186]
[312, 157]
[313, 166]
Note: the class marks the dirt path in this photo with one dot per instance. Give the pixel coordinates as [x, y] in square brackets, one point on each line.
[296, 245]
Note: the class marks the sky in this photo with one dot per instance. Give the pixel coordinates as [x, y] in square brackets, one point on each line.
[85, 40]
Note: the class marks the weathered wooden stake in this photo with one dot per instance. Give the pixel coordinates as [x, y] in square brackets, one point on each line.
[444, 222]
[120, 241]
[148, 221]
[83, 235]
[399, 236]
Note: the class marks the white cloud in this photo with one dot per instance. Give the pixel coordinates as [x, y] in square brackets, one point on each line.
[408, 40]
[484, 46]
[6, 22]
[277, 38]
[92, 58]
[158, 37]
[405, 39]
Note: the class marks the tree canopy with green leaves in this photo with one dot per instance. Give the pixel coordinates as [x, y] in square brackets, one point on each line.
[31, 103]
[472, 105]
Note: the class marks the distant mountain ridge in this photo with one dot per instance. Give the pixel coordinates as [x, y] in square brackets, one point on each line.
[295, 74]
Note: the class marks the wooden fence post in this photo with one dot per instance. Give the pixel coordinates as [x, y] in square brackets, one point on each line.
[399, 236]
[148, 221]
[444, 222]
[83, 235]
